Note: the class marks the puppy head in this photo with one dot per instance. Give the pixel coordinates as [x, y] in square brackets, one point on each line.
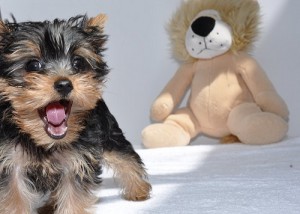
[52, 74]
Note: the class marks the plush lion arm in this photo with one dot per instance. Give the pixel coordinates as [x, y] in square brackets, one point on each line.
[261, 87]
[173, 93]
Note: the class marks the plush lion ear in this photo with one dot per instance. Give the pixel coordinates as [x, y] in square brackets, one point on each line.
[97, 21]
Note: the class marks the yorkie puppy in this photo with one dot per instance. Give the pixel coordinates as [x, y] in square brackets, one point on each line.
[56, 131]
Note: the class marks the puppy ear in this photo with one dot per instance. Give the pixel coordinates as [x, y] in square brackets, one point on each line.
[3, 27]
[97, 21]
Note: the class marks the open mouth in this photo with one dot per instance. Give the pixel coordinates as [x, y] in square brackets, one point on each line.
[55, 116]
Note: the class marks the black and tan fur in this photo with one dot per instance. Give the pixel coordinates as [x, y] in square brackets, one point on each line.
[58, 63]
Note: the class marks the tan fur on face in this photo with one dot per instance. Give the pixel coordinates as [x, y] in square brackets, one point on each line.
[28, 50]
[130, 174]
[242, 15]
[39, 92]
[88, 54]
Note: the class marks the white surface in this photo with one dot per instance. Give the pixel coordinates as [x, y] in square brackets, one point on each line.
[215, 179]
[139, 57]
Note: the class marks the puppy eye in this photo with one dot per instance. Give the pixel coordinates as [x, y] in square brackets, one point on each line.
[79, 63]
[34, 65]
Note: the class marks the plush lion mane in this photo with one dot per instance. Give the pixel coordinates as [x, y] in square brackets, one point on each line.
[242, 15]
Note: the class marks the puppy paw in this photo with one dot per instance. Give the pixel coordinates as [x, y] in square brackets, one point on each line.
[138, 192]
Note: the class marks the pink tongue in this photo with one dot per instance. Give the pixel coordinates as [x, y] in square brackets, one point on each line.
[55, 113]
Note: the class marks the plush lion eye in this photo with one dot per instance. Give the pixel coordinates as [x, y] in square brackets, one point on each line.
[34, 65]
[79, 63]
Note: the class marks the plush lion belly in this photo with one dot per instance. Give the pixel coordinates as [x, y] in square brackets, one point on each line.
[216, 88]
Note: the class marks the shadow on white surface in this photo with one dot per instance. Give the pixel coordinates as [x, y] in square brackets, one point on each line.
[231, 179]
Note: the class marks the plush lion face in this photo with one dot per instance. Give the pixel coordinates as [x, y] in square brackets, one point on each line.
[208, 36]
[203, 29]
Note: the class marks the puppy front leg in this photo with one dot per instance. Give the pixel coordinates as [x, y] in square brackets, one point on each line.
[15, 195]
[128, 168]
[71, 198]
[119, 155]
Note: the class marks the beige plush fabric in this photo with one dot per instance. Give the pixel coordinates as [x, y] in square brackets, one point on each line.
[230, 94]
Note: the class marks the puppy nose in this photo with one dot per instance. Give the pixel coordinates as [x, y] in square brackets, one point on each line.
[203, 25]
[63, 86]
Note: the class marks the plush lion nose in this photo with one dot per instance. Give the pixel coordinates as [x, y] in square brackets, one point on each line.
[63, 86]
[203, 26]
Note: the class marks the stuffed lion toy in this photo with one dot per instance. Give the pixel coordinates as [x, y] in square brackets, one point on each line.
[230, 97]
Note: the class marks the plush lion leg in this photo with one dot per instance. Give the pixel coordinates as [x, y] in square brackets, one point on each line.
[176, 130]
[253, 126]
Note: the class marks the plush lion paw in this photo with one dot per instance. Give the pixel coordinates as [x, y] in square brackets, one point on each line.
[164, 135]
[162, 107]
